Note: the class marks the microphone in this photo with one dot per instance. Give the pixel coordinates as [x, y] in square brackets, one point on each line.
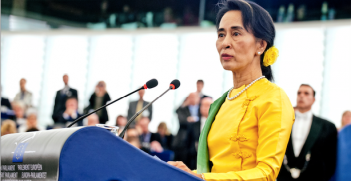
[173, 85]
[149, 85]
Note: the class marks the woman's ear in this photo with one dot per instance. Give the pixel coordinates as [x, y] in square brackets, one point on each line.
[261, 46]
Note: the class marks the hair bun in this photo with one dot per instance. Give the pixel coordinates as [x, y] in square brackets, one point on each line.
[270, 56]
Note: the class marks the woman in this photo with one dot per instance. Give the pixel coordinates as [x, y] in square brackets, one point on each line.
[166, 137]
[98, 99]
[248, 128]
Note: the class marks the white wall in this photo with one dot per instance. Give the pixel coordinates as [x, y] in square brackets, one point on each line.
[315, 53]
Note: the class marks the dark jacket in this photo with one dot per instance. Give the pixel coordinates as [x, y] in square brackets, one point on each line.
[62, 120]
[180, 142]
[193, 140]
[132, 110]
[103, 117]
[153, 137]
[9, 114]
[166, 142]
[60, 103]
[5, 102]
[321, 143]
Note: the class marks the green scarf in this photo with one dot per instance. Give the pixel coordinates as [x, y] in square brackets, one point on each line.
[203, 160]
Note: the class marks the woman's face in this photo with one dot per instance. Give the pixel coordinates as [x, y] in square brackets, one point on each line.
[237, 47]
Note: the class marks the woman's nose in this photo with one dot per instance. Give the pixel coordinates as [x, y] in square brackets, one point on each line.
[226, 43]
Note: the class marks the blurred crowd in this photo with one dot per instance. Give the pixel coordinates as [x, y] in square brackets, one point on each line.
[188, 15]
[19, 115]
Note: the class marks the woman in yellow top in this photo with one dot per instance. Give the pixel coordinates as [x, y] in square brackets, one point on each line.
[248, 128]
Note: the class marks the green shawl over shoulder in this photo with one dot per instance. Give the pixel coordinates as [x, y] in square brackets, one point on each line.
[203, 160]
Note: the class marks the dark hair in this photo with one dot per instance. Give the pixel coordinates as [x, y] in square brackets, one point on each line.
[200, 81]
[32, 129]
[256, 20]
[71, 97]
[314, 92]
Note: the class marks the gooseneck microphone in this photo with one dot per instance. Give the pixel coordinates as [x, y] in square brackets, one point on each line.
[149, 84]
[173, 85]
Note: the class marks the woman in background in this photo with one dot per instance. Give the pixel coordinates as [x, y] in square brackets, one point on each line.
[8, 127]
[247, 130]
[166, 137]
[98, 99]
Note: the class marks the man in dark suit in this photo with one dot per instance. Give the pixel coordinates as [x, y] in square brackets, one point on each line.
[311, 151]
[195, 130]
[70, 113]
[61, 97]
[199, 86]
[136, 106]
[188, 113]
[148, 140]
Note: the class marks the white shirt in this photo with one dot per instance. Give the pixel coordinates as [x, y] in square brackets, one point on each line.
[26, 99]
[202, 123]
[300, 130]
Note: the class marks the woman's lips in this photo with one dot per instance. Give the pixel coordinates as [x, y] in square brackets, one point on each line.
[226, 56]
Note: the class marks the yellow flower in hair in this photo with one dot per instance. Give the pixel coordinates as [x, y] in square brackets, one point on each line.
[270, 56]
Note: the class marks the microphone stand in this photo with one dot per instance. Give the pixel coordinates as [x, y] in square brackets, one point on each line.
[86, 115]
[139, 112]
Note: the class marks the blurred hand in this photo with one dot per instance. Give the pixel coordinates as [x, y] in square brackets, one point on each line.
[156, 146]
[183, 167]
[190, 119]
[70, 111]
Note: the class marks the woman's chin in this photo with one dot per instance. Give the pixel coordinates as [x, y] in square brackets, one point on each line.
[227, 66]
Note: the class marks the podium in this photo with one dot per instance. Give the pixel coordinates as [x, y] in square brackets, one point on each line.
[81, 153]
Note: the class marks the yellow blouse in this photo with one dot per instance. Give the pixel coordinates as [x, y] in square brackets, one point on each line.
[249, 136]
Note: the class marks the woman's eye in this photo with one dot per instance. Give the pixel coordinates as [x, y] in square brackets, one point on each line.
[236, 34]
[221, 35]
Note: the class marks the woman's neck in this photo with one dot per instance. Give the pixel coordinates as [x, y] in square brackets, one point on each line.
[240, 79]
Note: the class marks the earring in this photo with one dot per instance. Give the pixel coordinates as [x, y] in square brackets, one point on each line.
[259, 52]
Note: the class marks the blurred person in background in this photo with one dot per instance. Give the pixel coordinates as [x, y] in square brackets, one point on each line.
[69, 114]
[132, 137]
[311, 151]
[136, 106]
[188, 112]
[132, 132]
[199, 86]
[168, 16]
[93, 120]
[195, 130]
[189, 18]
[31, 122]
[166, 137]
[6, 103]
[346, 119]
[61, 97]
[19, 110]
[127, 16]
[6, 108]
[148, 140]
[99, 98]
[32, 130]
[8, 127]
[24, 95]
[121, 122]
